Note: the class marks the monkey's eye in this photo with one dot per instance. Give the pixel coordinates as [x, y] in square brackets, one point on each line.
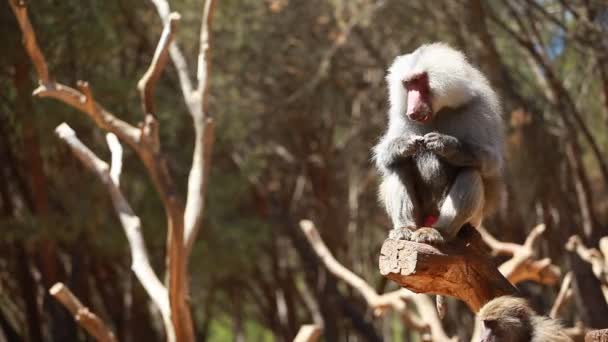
[489, 324]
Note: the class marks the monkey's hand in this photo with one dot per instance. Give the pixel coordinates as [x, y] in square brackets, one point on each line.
[441, 144]
[399, 148]
[402, 233]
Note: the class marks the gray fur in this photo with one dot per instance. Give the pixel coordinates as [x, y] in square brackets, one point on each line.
[450, 166]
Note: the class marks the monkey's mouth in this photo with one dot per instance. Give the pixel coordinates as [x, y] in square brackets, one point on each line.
[422, 114]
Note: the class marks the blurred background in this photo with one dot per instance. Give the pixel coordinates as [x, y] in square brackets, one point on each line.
[299, 98]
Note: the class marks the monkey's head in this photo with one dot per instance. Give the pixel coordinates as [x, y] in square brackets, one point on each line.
[433, 77]
[506, 319]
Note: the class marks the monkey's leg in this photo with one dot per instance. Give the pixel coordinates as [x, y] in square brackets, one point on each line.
[397, 194]
[463, 204]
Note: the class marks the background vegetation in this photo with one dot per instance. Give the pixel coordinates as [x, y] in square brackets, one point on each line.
[299, 98]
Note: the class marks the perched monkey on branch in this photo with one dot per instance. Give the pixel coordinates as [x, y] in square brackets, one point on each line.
[442, 154]
[510, 319]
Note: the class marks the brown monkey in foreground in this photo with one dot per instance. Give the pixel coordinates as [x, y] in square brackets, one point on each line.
[442, 154]
[510, 319]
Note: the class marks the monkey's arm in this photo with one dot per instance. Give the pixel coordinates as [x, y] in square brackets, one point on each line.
[463, 153]
[390, 151]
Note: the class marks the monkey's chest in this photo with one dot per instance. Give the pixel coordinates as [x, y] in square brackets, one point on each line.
[434, 177]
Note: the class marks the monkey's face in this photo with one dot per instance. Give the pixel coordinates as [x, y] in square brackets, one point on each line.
[491, 332]
[418, 94]
[505, 329]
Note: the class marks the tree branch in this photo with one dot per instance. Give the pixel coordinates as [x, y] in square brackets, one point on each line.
[564, 295]
[522, 265]
[140, 264]
[179, 61]
[204, 134]
[308, 333]
[82, 315]
[147, 83]
[145, 141]
[29, 40]
[459, 269]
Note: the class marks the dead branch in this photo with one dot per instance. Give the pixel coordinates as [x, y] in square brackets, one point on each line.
[459, 269]
[177, 57]
[598, 260]
[204, 134]
[427, 322]
[197, 103]
[82, 315]
[308, 333]
[522, 265]
[147, 83]
[140, 264]
[29, 40]
[564, 295]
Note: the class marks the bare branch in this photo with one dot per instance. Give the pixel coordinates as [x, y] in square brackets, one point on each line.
[204, 60]
[564, 295]
[308, 333]
[204, 134]
[522, 265]
[116, 150]
[597, 260]
[147, 83]
[29, 40]
[82, 315]
[131, 224]
[179, 61]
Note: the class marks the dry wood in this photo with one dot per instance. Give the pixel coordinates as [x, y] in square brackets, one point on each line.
[459, 269]
[564, 295]
[82, 315]
[147, 83]
[426, 321]
[308, 333]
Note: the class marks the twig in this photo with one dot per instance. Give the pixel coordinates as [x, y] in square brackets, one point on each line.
[82, 315]
[565, 293]
[29, 40]
[308, 333]
[162, 7]
[147, 83]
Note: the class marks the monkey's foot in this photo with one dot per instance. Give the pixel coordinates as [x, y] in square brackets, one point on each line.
[403, 233]
[428, 235]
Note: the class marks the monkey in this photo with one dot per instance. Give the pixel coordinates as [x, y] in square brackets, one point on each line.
[441, 157]
[510, 319]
